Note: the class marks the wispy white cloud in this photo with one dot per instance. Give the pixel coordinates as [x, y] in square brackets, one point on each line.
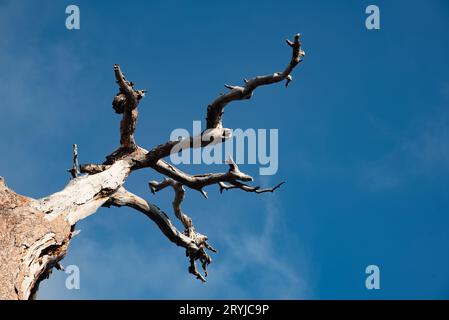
[423, 151]
[280, 277]
[249, 265]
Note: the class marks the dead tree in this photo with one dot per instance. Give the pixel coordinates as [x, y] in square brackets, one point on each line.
[35, 233]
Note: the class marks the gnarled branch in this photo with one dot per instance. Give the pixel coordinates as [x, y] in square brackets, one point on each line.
[125, 102]
[199, 181]
[37, 232]
[215, 109]
[194, 242]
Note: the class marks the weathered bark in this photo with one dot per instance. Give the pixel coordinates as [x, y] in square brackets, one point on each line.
[35, 233]
[30, 244]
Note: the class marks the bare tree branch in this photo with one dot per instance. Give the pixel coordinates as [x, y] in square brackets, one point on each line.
[35, 233]
[247, 188]
[215, 109]
[74, 171]
[194, 242]
[123, 197]
[199, 181]
[126, 102]
[179, 197]
[215, 131]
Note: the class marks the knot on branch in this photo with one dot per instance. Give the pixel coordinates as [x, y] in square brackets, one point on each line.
[127, 95]
[119, 102]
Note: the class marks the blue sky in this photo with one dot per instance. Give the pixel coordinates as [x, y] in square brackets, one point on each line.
[363, 129]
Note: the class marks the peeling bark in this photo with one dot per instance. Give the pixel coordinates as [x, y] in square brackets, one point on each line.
[35, 233]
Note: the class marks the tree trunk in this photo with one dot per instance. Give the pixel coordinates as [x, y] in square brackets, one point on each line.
[30, 244]
[35, 234]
